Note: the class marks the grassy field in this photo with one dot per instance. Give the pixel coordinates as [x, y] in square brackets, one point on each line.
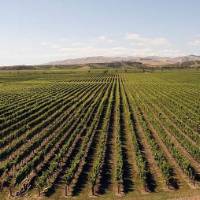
[99, 134]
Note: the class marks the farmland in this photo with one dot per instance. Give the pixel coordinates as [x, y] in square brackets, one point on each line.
[103, 134]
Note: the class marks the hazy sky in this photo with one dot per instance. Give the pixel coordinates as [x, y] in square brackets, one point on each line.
[38, 31]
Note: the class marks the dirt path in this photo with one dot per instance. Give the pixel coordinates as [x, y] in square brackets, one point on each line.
[180, 175]
[107, 177]
[194, 131]
[132, 180]
[159, 179]
[130, 169]
[194, 163]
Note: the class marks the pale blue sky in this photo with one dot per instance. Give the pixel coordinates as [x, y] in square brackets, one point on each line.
[38, 31]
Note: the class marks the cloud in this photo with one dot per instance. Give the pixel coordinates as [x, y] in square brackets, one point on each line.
[44, 43]
[195, 42]
[130, 44]
[139, 40]
[116, 51]
[50, 45]
[88, 51]
[104, 38]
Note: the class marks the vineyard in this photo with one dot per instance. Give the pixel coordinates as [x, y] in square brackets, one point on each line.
[104, 134]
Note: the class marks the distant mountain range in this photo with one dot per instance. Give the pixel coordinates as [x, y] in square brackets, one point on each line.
[151, 60]
[191, 61]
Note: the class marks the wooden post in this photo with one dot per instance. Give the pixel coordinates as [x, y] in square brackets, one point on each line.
[118, 188]
[10, 191]
[39, 192]
[66, 190]
[92, 190]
